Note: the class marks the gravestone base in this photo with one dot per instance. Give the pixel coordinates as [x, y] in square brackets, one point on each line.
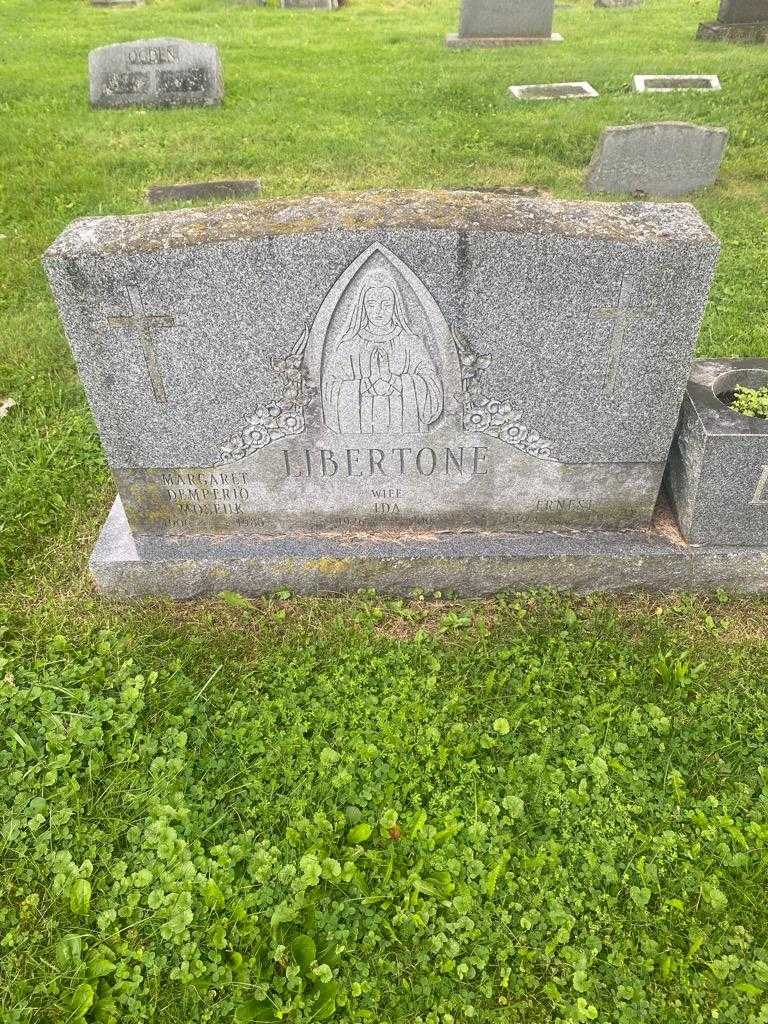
[471, 565]
[457, 41]
[720, 31]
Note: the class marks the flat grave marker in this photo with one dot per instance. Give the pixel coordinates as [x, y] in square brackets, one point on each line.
[235, 189]
[676, 83]
[553, 91]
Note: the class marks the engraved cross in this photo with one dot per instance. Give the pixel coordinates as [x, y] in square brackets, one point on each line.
[144, 324]
[622, 315]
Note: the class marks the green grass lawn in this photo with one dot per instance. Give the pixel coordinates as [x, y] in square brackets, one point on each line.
[524, 810]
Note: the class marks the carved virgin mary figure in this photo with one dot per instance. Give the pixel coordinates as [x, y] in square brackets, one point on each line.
[380, 378]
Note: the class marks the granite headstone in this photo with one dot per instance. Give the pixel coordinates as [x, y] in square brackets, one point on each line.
[504, 23]
[667, 158]
[388, 364]
[618, 3]
[163, 72]
[743, 21]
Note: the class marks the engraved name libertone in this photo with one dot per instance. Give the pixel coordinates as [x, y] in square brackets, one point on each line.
[328, 462]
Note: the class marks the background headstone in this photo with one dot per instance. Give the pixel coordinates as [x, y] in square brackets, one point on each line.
[238, 188]
[316, 5]
[735, 12]
[553, 91]
[743, 21]
[504, 23]
[397, 363]
[162, 72]
[117, 3]
[618, 3]
[668, 158]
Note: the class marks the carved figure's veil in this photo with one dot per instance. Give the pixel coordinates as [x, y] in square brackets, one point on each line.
[359, 318]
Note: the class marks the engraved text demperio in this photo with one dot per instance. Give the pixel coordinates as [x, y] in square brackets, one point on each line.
[382, 420]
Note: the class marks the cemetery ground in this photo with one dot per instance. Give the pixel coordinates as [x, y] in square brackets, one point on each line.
[526, 809]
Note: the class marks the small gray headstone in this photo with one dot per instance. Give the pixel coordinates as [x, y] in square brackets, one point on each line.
[718, 468]
[117, 3]
[162, 72]
[663, 159]
[504, 23]
[239, 188]
[618, 3]
[338, 368]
